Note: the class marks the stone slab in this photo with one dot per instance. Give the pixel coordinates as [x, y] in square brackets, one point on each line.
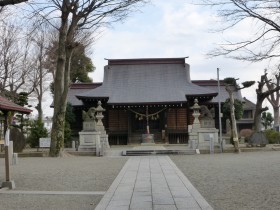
[154, 182]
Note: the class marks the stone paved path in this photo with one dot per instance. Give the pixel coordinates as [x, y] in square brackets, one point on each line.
[152, 183]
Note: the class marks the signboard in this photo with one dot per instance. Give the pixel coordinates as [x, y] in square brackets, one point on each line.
[44, 142]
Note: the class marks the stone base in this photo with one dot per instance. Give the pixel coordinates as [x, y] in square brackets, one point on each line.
[104, 141]
[89, 141]
[83, 148]
[9, 184]
[148, 138]
[148, 144]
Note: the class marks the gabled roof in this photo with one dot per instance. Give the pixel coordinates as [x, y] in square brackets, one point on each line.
[78, 88]
[141, 81]
[248, 105]
[7, 105]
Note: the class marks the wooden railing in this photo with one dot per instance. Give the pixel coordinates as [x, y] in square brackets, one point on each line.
[178, 138]
[118, 139]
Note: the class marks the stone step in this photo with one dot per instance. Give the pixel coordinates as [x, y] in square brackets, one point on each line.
[157, 152]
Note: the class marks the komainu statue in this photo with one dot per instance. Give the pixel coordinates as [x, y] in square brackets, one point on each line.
[205, 113]
[89, 115]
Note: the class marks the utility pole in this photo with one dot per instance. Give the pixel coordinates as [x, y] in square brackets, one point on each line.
[220, 117]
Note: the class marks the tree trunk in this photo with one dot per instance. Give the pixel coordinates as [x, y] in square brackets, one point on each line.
[276, 117]
[57, 133]
[40, 110]
[233, 125]
[62, 80]
[258, 112]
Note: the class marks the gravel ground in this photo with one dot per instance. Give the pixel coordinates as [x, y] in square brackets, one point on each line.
[60, 174]
[249, 180]
[235, 181]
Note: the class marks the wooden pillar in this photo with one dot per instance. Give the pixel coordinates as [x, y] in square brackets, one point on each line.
[8, 183]
[166, 126]
[129, 127]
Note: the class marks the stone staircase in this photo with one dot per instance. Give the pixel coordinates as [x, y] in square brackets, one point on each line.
[143, 152]
[136, 138]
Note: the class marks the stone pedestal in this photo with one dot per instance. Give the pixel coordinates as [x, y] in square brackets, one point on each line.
[9, 184]
[90, 141]
[104, 140]
[148, 139]
[89, 125]
[207, 138]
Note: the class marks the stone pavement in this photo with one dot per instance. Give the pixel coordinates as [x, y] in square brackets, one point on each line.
[151, 183]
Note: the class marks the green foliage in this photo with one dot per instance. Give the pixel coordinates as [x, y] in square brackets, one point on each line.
[67, 135]
[22, 99]
[52, 87]
[37, 131]
[238, 109]
[272, 136]
[248, 84]
[18, 139]
[81, 65]
[69, 115]
[69, 119]
[266, 119]
[230, 81]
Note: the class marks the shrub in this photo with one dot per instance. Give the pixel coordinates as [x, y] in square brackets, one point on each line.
[246, 133]
[67, 135]
[37, 131]
[69, 119]
[272, 136]
[18, 138]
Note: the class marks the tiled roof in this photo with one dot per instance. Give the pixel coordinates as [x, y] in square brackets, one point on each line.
[136, 81]
[213, 85]
[7, 105]
[248, 105]
[78, 88]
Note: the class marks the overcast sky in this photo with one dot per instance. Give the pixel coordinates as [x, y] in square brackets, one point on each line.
[175, 29]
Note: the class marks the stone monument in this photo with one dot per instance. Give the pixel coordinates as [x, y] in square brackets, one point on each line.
[93, 137]
[89, 137]
[202, 134]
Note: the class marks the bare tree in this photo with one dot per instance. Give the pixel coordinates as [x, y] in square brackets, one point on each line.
[264, 41]
[75, 17]
[275, 96]
[265, 89]
[40, 77]
[15, 62]
[263, 44]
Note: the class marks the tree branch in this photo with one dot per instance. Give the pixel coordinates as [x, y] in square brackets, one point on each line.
[10, 2]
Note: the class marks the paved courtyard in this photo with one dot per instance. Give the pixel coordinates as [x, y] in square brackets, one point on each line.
[227, 181]
[152, 183]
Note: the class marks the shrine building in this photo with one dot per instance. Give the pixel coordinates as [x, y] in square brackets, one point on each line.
[157, 92]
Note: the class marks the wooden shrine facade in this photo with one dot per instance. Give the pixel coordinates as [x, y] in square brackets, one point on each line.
[133, 90]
